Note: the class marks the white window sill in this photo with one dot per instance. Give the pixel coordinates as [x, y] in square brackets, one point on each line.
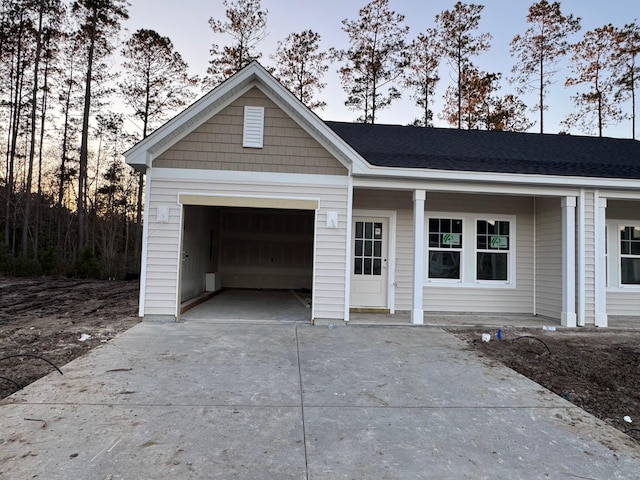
[624, 288]
[478, 285]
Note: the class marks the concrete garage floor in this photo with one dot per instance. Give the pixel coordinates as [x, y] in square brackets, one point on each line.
[263, 306]
[202, 400]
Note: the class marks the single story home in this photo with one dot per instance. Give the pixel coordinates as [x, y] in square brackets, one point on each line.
[248, 188]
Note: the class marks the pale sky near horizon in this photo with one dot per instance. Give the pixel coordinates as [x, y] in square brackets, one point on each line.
[185, 22]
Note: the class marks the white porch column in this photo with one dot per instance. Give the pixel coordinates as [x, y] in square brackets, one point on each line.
[417, 311]
[600, 263]
[568, 316]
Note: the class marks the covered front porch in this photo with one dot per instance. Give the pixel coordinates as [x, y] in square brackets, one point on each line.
[492, 252]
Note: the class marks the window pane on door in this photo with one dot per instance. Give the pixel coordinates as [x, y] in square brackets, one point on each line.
[377, 266]
[359, 249]
[357, 268]
[367, 266]
[368, 248]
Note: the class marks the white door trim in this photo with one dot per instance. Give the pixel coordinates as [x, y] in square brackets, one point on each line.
[390, 215]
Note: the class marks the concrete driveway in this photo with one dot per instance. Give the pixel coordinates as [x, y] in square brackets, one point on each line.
[197, 400]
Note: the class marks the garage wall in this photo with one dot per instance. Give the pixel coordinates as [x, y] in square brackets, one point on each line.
[198, 255]
[163, 238]
[264, 248]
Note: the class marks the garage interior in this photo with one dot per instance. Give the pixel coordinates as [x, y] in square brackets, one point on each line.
[246, 249]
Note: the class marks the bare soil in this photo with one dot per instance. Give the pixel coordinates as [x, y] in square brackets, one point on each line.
[597, 370]
[47, 317]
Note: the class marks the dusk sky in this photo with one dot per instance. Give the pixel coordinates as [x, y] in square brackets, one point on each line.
[186, 24]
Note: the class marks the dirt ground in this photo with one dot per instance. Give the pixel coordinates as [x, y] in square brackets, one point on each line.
[47, 317]
[598, 370]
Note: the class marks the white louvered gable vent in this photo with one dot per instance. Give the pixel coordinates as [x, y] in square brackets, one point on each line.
[253, 131]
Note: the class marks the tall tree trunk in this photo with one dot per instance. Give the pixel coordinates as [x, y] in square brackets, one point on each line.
[459, 88]
[633, 102]
[32, 147]
[63, 163]
[43, 113]
[84, 149]
[541, 100]
[17, 106]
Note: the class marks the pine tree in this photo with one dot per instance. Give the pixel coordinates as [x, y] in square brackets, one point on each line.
[628, 69]
[46, 14]
[99, 23]
[540, 48]
[246, 24]
[455, 28]
[300, 66]
[423, 56]
[374, 61]
[593, 64]
[482, 107]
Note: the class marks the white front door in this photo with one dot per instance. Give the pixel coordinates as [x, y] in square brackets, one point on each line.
[369, 267]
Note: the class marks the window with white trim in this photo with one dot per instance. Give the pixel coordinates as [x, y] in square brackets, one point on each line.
[470, 250]
[493, 246]
[445, 248]
[630, 255]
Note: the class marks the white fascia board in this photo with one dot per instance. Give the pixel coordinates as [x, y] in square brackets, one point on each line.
[230, 176]
[138, 159]
[465, 187]
[620, 195]
[500, 178]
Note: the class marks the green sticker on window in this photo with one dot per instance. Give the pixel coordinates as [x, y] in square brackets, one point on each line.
[452, 239]
[499, 242]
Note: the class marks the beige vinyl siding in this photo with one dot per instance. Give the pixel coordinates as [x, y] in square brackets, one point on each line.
[483, 299]
[589, 261]
[404, 261]
[402, 204]
[217, 144]
[623, 210]
[163, 239]
[621, 301]
[162, 257]
[549, 257]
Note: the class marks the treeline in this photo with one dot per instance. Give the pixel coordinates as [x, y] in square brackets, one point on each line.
[385, 61]
[75, 94]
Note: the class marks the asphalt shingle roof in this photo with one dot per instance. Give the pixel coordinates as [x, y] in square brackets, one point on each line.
[492, 151]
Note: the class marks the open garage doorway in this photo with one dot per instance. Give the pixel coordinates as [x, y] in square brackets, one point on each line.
[251, 257]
